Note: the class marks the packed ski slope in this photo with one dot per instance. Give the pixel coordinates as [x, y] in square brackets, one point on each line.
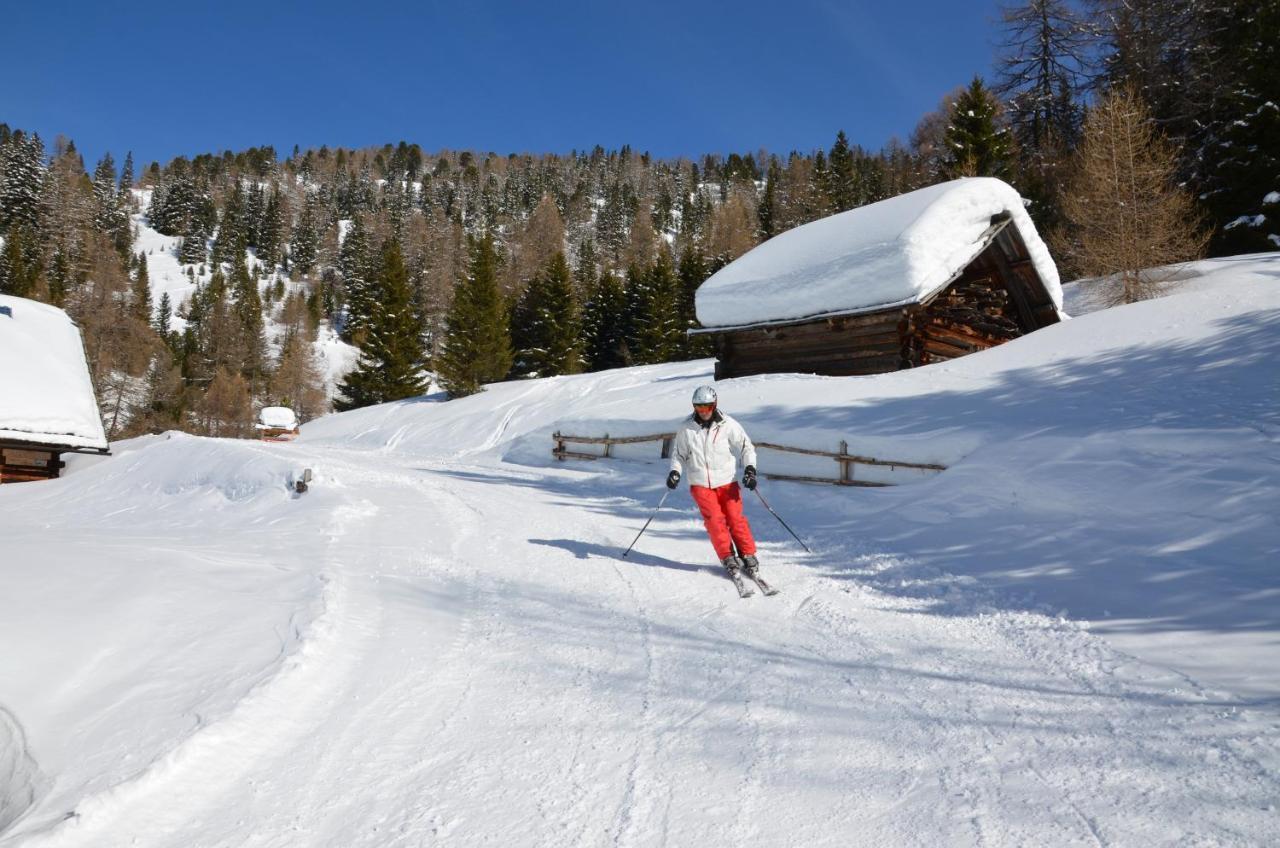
[1068, 638]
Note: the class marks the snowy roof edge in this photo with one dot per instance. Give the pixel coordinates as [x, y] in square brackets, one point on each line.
[55, 440]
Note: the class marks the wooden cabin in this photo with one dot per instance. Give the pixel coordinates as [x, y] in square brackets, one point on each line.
[277, 424]
[999, 284]
[47, 404]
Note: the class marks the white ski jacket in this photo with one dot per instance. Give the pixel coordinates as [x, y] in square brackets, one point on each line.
[704, 455]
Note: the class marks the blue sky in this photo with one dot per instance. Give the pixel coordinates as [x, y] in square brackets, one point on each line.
[676, 79]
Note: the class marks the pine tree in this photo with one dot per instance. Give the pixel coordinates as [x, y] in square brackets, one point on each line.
[392, 358]
[1238, 156]
[977, 145]
[477, 345]
[354, 260]
[164, 318]
[18, 276]
[22, 182]
[194, 244]
[819, 187]
[1153, 47]
[140, 297]
[604, 342]
[1042, 78]
[232, 238]
[693, 272]
[175, 201]
[767, 210]
[251, 338]
[653, 322]
[126, 176]
[546, 325]
[842, 188]
[306, 241]
[106, 207]
[254, 215]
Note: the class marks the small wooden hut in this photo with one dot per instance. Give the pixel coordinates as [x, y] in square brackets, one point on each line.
[47, 405]
[277, 424]
[925, 277]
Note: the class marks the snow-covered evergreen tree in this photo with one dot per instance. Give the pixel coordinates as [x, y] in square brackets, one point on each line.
[354, 262]
[392, 357]
[604, 342]
[232, 236]
[306, 240]
[653, 321]
[140, 294]
[1238, 162]
[22, 183]
[546, 324]
[194, 244]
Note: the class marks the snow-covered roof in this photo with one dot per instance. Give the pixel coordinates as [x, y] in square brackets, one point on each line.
[46, 395]
[277, 417]
[892, 253]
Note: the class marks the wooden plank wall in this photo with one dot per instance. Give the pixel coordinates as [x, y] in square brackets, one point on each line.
[847, 346]
[23, 465]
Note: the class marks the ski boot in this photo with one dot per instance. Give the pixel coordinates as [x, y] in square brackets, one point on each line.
[733, 566]
[751, 566]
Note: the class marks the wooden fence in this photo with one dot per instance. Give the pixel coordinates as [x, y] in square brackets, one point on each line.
[845, 460]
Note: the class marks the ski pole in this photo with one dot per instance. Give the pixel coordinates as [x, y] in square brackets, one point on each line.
[646, 524]
[780, 521]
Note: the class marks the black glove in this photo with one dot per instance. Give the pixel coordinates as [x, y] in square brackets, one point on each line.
[749, 477]
[673, 479]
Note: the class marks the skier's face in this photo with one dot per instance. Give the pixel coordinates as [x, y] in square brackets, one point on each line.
[703, 410]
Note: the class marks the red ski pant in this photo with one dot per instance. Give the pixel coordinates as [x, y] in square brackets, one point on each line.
[721, 510]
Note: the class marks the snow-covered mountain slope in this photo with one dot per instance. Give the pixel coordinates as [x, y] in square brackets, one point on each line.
[169, 276]
[1069, 637]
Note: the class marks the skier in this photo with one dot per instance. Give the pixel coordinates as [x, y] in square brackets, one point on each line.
[705, 446]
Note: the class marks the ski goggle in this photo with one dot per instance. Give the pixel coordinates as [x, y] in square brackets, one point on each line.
[704, 406]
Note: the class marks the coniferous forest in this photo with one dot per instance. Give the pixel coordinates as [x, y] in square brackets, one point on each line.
[479, 266]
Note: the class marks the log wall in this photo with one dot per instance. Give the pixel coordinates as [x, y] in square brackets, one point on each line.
[974, 313]
[845, 346]
[24, 464]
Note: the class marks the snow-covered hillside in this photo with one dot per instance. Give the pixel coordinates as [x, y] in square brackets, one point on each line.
[1069, 637]
[167, 275]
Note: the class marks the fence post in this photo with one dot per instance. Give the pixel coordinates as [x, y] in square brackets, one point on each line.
[846, 465]
[607, 445]
[666, 448]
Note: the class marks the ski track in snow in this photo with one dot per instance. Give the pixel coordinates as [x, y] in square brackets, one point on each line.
[649, 706]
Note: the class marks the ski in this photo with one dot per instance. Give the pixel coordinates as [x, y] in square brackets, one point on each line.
[744, 591]
[764, 585]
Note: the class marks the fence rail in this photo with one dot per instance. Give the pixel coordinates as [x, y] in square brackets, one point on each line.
[843, 458]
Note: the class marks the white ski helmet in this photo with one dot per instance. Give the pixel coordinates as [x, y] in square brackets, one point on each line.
[704, 395]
